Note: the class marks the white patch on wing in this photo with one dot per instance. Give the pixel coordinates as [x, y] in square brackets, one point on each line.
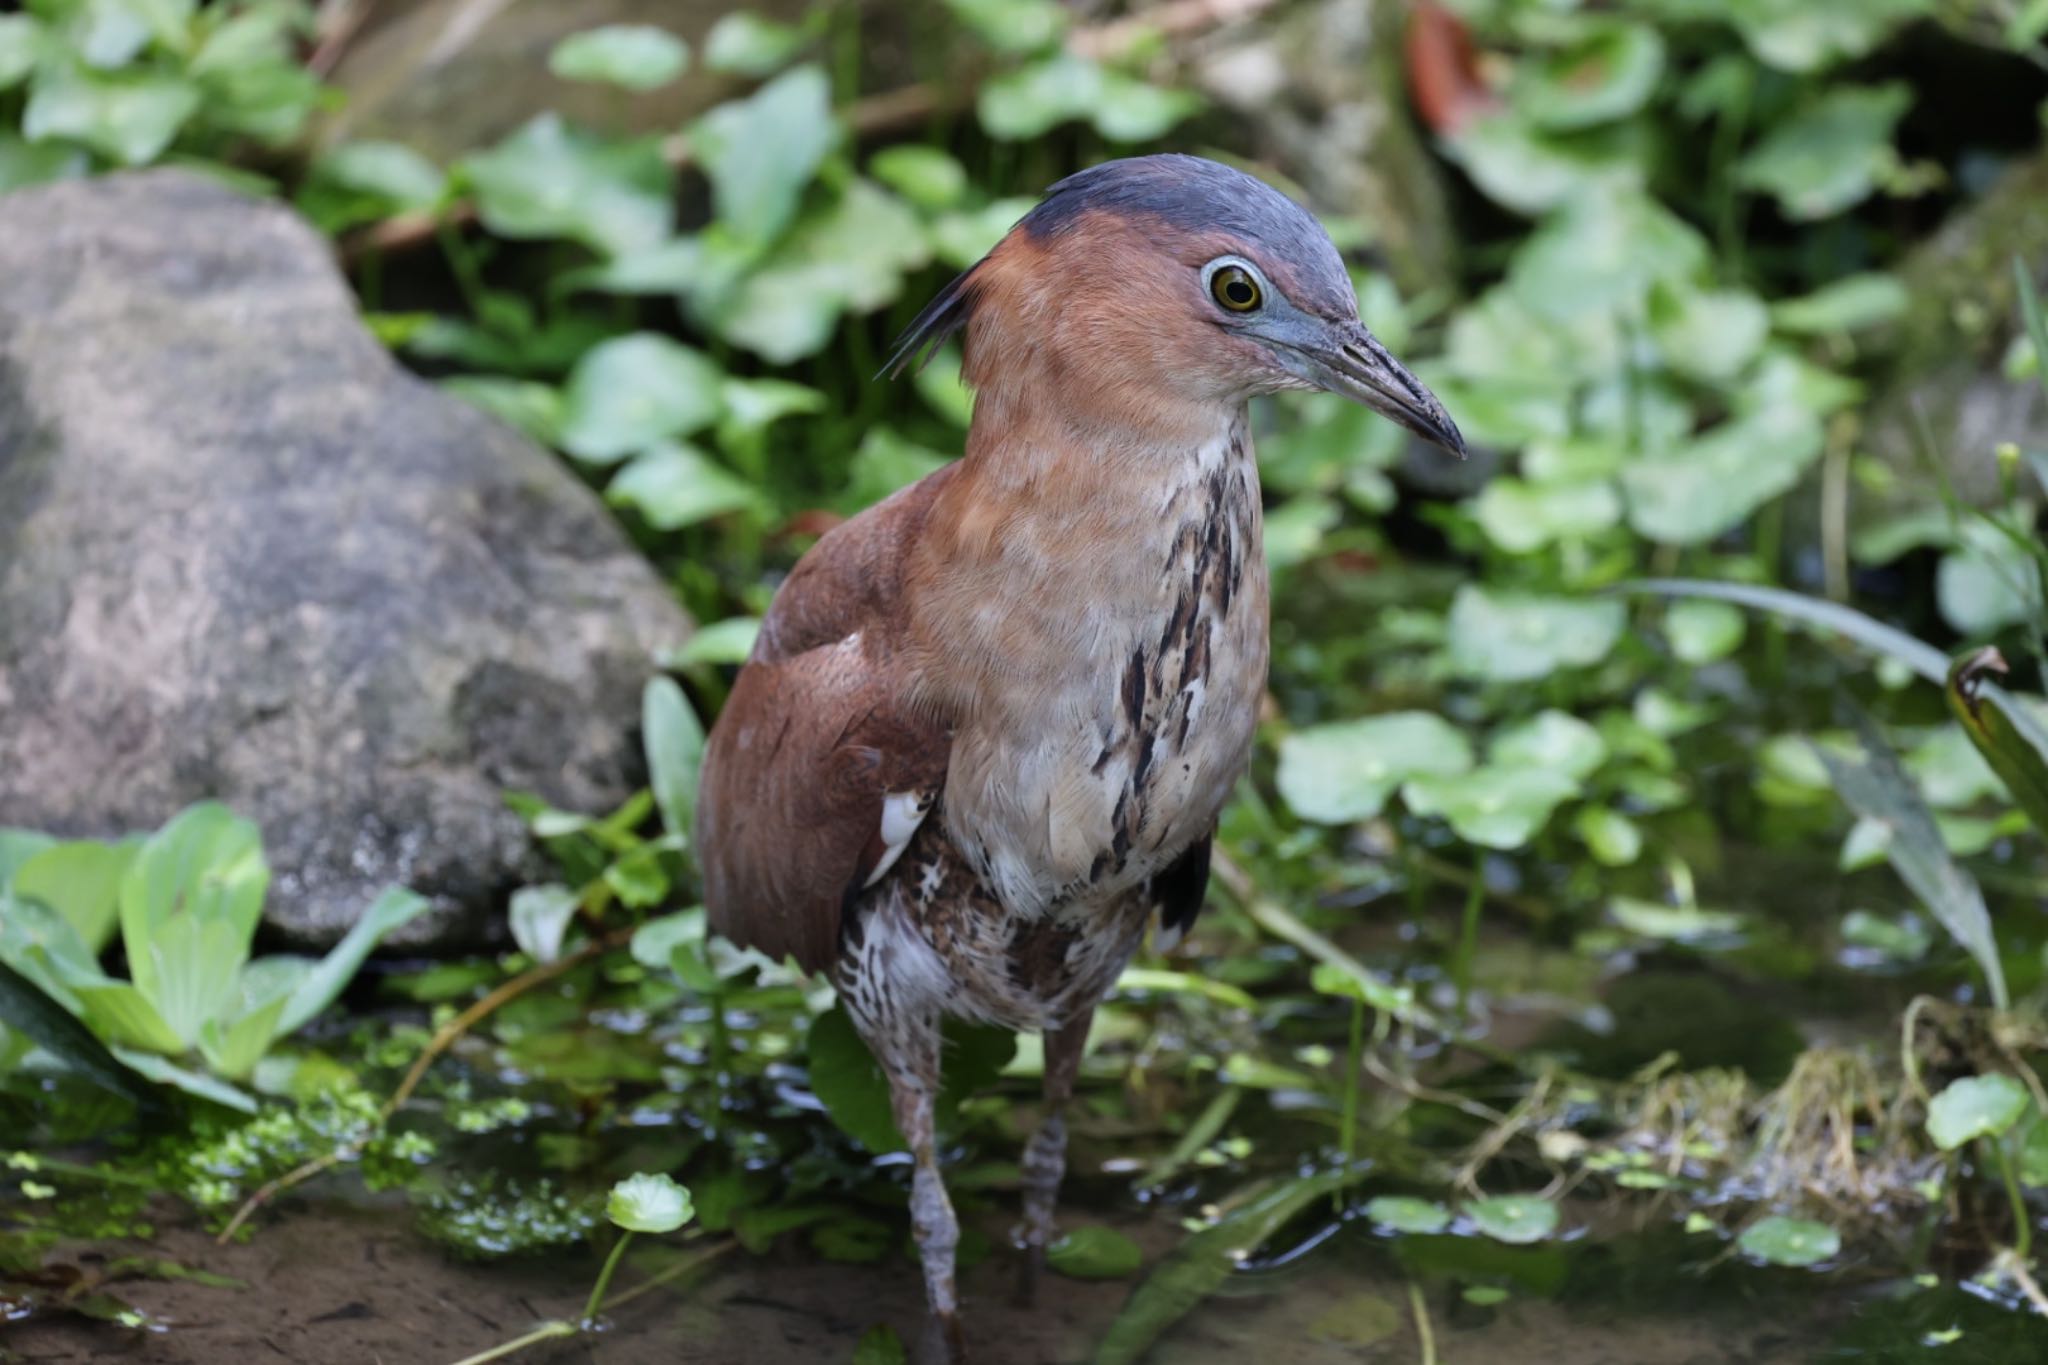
[902, 813]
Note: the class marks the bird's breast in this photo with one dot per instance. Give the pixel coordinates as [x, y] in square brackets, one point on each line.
[1118, 706]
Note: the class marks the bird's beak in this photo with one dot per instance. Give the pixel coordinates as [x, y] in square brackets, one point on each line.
[1346, 359]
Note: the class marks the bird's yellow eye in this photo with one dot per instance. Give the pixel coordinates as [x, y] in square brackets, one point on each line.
[1234, 288]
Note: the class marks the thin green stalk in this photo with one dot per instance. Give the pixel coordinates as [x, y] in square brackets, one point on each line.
[2023, 1228]
[1423, 1333]
[547, 1331]
[1354, 1065]
[1468, 932]
[604, 1276]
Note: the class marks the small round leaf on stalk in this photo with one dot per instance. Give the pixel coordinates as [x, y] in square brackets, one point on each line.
[1778, 1240]
[649, 1203]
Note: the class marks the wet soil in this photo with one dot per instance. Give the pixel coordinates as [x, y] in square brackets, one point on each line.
[335, 1284]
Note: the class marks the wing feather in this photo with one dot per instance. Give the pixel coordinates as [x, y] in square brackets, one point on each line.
[815, 740]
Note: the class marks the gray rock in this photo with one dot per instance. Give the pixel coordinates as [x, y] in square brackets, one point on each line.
[447, 77]
[244, 555]
[1947, 380]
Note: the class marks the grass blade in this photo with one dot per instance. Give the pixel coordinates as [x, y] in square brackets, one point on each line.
[1878, 789]
[1204, 1261]
[2030, 312]
[1872, 634]
[51, 1027]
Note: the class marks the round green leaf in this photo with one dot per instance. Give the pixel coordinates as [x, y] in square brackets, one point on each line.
[1974, 1107]
[1094, 1253]
[1521, 517]
[1516, 637]
[1550, 739]
[1701, 631]
[1830, 155]
[1608, 74]
[1345, 771]
[128, 118]
[929, 177]
[631, 56]
[1493, 807]
[1611, 837]
[548, 180]
[674, 486]
[1778, 1240]
[627, 394]
[1403, 1214]
[746, 44]
[648, 1203]
[1514, 1218]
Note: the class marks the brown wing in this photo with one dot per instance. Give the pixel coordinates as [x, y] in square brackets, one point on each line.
[813, 737]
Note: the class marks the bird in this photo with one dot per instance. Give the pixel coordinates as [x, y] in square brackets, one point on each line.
[988, 724]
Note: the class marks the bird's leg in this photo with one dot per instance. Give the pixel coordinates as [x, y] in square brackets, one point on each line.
[1045, 1156]
[911, 1059]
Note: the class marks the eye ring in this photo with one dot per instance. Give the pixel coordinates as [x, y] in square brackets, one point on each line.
[1235, 290]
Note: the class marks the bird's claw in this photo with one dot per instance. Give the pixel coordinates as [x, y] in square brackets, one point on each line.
[944, 1342]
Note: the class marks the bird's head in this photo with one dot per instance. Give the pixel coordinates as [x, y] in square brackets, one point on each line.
[1157, 287]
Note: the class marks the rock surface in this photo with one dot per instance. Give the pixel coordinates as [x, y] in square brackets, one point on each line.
[1948, 373]
[244, 555]
[448, 77]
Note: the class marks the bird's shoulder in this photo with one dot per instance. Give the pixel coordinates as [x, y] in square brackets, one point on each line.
[851, 581]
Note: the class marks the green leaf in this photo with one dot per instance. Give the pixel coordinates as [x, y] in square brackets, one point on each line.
[1806, 35]
[674, 739]
[632, 392]
[1131, 110]
[655, 942]
[233, 1049]
[21, 40]
[82, 882]
[1094, 1253]
[1201, 1264]
[1612, 838]
[1608, 73]
[648, 1203]
[1705, 488]
[754, 405]
[1601, 255]
[885, 462]
[1403, 1214]
[630, 56]
[394, 908]
[17, 846]
[722, 642]
[1990, 581]
[1552, 740]
[1878, 789]
[1708, 334]
[1529, 170]
[1778, 1240]
[747, 44]
[548, 180]
[1340, 772]
[130, 119]
[166, 1072]
[2033, 1161]
[1830, 155]
[205, 866]
[1701, 632]
[1674, 923]
[1852, 304]
[1358, 1321]
[1517, 637]
[762, 151]
[849, 1083]
[390, 172]
[1976, 1107]
[29, 1011]
[1494, 807]
[2012, 742]
[928, 177]
[128, 1019]
[540, 916]
[880, 1346]
[1012, 26]
[1037, 97]
[674, 485]
[1517, 1219]
[1523, 517]
[195, 965]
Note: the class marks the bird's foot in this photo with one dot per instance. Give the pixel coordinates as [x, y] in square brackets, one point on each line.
[1030, 1268]
[944, 1343]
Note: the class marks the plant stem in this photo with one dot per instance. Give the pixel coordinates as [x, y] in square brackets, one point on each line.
[681, 1268]
[1468, 931]
[547, 1331]
[1422, 1331]
[604, 1276]
[2023, 1228]
[1354, 1066]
